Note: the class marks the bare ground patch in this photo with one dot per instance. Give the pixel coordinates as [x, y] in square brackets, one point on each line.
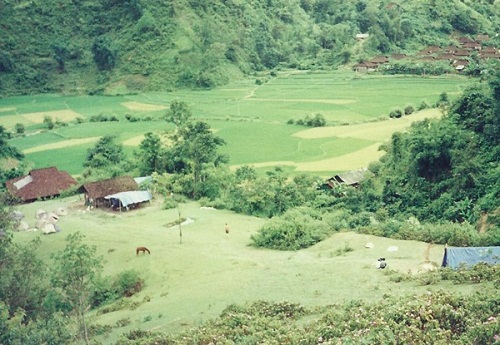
[61, 144]
[143, 106]
[355, 160]
[63, 115]
[379, 131]
[7, 109]
[135, 141]
[352, 161]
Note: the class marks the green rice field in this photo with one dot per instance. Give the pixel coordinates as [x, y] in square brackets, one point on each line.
[251, 117]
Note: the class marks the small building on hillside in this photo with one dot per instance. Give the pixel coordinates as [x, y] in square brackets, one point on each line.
[40, 184]
[96, 192]
[365, 67]
[349, 178]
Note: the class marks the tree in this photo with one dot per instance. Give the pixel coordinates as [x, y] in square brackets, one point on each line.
[61, 54]
[105, 53]
[105, 153]
[6, 150]
[179, 113]
[23, 284]
[150, 154]
[75, 271]
[49, 122]
[196, 145]
[20, 128]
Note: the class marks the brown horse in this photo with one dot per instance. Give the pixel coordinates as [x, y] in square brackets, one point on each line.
[141, 249]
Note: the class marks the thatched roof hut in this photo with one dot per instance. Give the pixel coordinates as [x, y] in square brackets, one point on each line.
[96, 191]
[40, 184]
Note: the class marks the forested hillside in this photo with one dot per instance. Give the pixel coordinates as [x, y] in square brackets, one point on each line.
[128, 45]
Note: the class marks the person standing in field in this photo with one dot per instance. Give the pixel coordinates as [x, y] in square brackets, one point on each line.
[226, 230]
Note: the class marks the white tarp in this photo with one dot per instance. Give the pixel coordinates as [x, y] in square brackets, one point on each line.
[133, 197]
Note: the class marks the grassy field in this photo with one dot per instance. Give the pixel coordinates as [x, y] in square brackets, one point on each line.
[251, 117]
[190, 282]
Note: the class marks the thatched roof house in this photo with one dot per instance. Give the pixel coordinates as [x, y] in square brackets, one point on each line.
[40, 183]
[350, 178]
[96, 191]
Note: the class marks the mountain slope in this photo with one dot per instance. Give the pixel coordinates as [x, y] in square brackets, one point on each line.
[71, 46]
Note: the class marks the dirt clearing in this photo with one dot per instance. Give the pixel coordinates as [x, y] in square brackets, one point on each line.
[61, 144]
[62, 115]
[143, 106]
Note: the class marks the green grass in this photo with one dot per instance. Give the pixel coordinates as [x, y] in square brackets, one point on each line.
[189, 283]
[251, 118]
[71, 159]
[262, 142]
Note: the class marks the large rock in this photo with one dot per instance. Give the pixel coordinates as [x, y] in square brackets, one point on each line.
[17, 215]
[40, 214]
[49, 229]
[23, 226]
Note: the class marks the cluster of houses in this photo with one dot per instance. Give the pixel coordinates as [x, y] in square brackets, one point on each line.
[459, 56]
[117, 193]
[123, 192]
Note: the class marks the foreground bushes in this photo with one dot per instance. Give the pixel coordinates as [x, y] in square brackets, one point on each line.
[432, 318]
[297, 228]
[303, 227]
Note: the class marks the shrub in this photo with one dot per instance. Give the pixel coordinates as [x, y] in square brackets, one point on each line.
[128, 283]
[49, 122]
[423, 105]
[396, 114]
[409, 110]
[294, 230]
[343, 250]
[20, 129]
[361, 219]
[103, 292]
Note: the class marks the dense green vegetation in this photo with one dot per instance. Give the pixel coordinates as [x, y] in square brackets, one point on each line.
[437, 174]
[438, 182]
[130, 45]
[439, 318]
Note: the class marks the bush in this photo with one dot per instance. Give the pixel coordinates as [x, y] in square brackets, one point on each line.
[128, 283]
[295, 229]
[20, 129]
[396, 114]
[49, 122]
[423, 105]
[409, 110]
[107, 290]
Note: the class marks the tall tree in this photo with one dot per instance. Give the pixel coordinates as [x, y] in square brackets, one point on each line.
[75, 271]
[199, 146]
[178, 113]
[150, 154]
